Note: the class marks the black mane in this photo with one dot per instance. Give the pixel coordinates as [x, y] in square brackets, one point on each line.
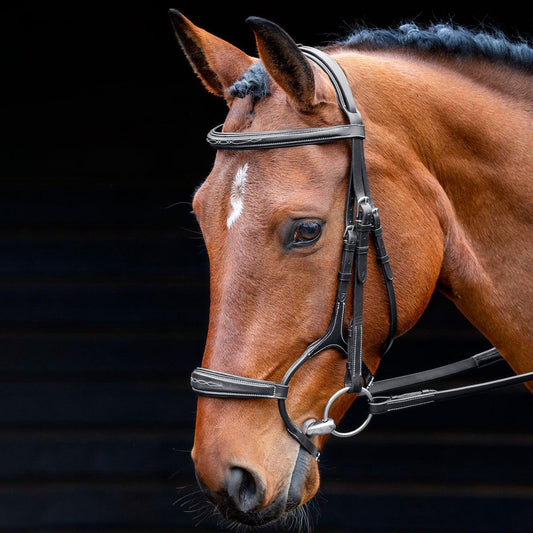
[444, 38]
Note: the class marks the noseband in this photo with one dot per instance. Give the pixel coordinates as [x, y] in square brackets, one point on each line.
[361, 220]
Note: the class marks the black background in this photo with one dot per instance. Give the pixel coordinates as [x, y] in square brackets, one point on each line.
[103, 292]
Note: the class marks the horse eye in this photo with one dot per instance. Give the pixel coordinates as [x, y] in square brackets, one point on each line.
[306, 232]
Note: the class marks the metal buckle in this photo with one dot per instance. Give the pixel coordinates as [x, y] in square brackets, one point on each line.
[347, 229]
[360, 202]
[364, 214]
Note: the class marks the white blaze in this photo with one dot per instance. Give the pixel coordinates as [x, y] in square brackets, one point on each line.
[236, 198]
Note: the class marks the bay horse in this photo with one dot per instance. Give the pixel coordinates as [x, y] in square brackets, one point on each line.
[447, 115]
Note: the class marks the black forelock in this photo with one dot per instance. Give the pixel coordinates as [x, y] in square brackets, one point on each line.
[254, 81]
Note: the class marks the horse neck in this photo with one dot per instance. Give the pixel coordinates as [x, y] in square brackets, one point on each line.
[472, 133]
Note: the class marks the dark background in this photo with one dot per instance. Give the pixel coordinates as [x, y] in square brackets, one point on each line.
[103, 293]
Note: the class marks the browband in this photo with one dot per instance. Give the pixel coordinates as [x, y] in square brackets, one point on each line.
[258, 140]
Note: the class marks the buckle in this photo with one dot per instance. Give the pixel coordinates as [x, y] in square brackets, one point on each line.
[350, 235]
[365, 214]
[364, 200]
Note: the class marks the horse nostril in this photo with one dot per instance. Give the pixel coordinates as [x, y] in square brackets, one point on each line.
[244, 489]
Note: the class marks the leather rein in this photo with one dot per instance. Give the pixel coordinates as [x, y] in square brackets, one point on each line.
[361, 221]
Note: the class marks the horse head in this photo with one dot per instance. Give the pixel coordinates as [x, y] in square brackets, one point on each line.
[273, 222]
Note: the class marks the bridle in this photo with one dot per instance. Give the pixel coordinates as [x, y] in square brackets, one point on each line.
[361, 221]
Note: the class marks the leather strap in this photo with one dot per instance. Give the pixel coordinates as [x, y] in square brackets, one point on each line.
[259, 140]
[384, 262]
[206, 382]
[354, 361]
[378, 406]
[479, 360]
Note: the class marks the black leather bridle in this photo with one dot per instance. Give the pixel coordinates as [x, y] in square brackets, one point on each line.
[361, 221]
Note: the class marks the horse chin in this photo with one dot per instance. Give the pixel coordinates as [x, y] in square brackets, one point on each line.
[273, 513]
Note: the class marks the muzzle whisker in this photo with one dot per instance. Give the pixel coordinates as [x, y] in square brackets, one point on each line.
[194, 503]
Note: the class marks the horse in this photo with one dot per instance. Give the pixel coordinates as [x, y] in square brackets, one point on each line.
[447, 116]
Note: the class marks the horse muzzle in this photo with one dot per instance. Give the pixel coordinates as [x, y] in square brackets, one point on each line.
[245, 497]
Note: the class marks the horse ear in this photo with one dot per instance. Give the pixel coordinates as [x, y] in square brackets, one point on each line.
[217, 63]
[285, 62]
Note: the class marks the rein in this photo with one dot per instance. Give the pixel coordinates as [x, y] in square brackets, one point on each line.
[361, 221]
